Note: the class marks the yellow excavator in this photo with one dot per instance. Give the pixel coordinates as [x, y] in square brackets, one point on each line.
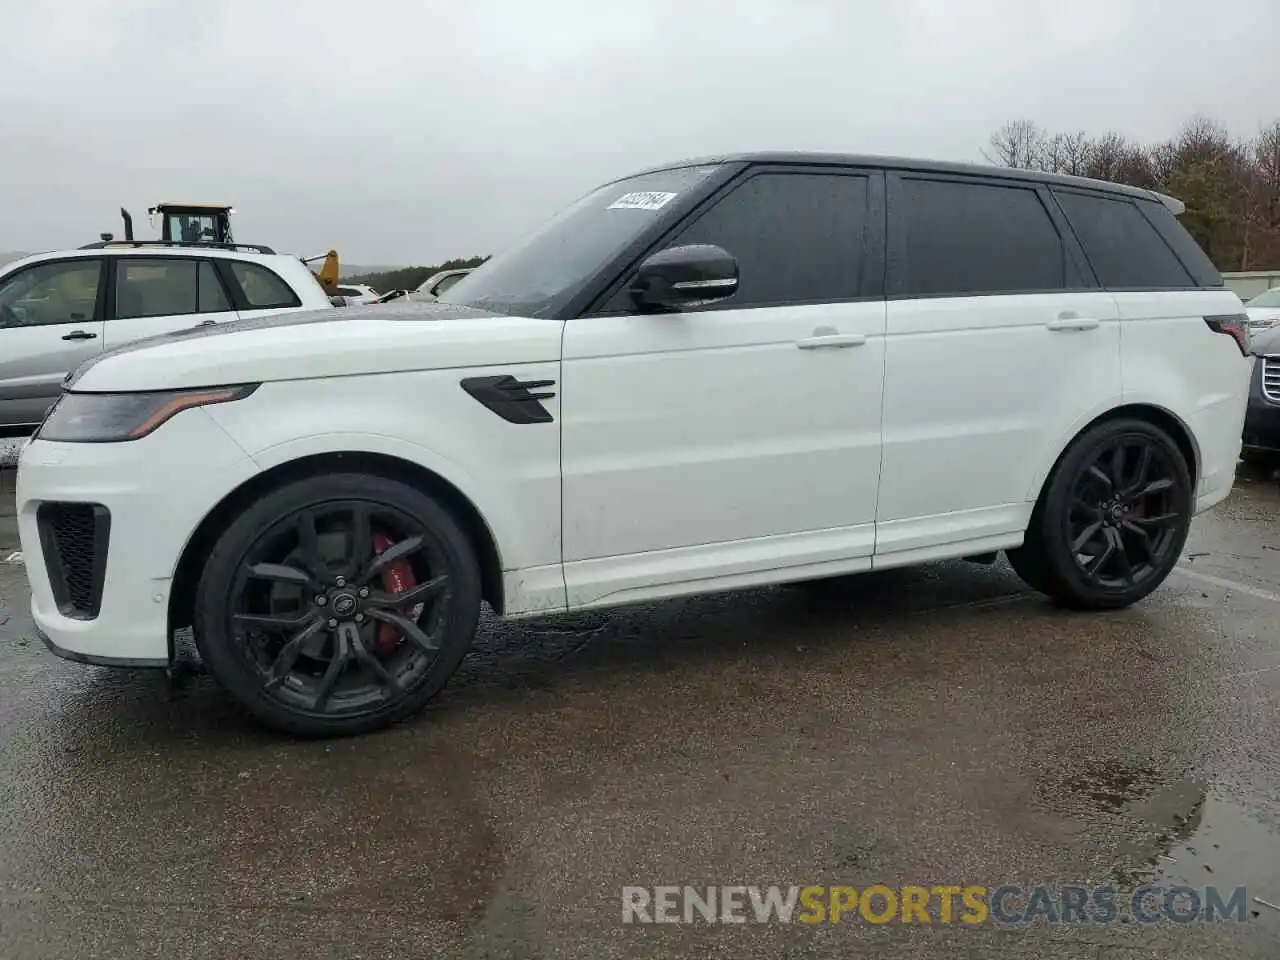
[210, 223]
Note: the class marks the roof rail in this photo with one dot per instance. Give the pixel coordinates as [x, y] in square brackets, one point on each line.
[184, 244]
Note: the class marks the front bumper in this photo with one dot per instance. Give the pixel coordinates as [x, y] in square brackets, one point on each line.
[156, 492]
[1262, 424]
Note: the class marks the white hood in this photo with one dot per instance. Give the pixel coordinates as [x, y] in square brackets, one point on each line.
[342, 342]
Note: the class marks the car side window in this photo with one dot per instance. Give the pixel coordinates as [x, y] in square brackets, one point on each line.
[48, 293]
[155, 288]
[1126, 251]
[262, 288]
[964, 238]
[447, 282]
[797, 237]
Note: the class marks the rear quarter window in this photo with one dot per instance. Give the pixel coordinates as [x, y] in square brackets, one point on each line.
[1184, 245]
[1126, 251]
[263, 288]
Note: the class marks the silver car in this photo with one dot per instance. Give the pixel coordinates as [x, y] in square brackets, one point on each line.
[58, 310]
[1264, 310]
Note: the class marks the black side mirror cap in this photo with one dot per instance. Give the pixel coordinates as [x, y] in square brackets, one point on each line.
[684, 276]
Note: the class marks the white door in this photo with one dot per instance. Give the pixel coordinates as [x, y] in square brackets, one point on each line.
[722, 445]
[999, 348]
[155, 295]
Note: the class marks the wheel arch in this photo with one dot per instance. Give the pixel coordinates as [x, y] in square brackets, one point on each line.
[1154, 414]
[191, 562]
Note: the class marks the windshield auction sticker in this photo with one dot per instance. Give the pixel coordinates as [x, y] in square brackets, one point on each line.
[652, 200]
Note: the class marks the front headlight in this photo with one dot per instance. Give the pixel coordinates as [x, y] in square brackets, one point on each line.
[116, 417]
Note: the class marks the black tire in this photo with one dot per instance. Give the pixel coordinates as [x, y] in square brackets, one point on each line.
[293, 670]
[1108, 527]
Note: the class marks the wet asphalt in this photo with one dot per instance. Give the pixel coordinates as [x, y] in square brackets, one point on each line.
[940, 725]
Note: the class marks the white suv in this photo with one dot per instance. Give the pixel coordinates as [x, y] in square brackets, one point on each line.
[714, 375]
[60, 309]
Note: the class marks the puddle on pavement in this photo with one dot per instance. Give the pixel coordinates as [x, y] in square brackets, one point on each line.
[1201, 841]
[1189, 836]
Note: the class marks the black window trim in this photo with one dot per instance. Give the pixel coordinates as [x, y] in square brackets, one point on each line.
[111, 313]
[1074, 258]
[238, 300]
[871, 282]
[99, 306]
[1055, 189]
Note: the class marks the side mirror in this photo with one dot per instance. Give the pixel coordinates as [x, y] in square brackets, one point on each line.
[684, 276]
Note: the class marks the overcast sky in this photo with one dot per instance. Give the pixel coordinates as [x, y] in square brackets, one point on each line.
[402, 131]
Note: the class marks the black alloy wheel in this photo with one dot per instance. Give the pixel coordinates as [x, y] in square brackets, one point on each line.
[1112, 520]
[342, 604]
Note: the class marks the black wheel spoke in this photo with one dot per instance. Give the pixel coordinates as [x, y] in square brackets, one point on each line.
[423, 591]
[1086, 535]
[270, 621]
[412, 632]
[1099, 560]
[282, 573]
[1159, 520]
[309, 544]
[1117, 467]
[1143, 537]
[341, 654]
[1144, 470]
[1121, 554]
[1096, 472]
[1155, 486]
[371, 663]
[1091, 510]
[288, 655]
[361, 540]
[393, 554]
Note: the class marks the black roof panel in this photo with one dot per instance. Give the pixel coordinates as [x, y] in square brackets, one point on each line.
[905, 163]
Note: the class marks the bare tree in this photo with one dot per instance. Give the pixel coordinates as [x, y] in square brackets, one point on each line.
[1266, 160]
[1019, 143]
[1231, 188]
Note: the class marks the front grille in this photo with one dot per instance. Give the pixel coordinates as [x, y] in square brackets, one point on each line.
[74, 539]
[1271, 378]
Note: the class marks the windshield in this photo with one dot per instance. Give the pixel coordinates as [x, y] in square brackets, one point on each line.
[566, 253]
[1269, 299]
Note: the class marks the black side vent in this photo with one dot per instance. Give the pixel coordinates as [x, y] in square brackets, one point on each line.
[513, 400]
[73, 537]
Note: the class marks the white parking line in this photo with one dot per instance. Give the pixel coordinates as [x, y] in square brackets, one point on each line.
[1228, 584]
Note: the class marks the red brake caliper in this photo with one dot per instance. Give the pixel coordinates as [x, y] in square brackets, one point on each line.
[395, 579]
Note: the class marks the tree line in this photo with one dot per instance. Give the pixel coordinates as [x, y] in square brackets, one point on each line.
[1231, 185]
[407, 278]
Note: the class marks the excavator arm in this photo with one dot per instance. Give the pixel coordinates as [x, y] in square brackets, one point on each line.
[328, 272]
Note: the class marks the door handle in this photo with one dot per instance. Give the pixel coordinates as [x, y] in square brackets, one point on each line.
[1072, 322]
[80, 335]
[822, 339]
[207, 323]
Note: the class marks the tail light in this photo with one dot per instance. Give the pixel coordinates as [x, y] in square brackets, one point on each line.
[1235, 325]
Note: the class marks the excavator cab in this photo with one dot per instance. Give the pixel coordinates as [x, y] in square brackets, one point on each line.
[193, 222]
[210, 223]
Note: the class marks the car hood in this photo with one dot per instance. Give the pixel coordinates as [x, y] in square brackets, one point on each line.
[1266, 343]
[335, 342]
